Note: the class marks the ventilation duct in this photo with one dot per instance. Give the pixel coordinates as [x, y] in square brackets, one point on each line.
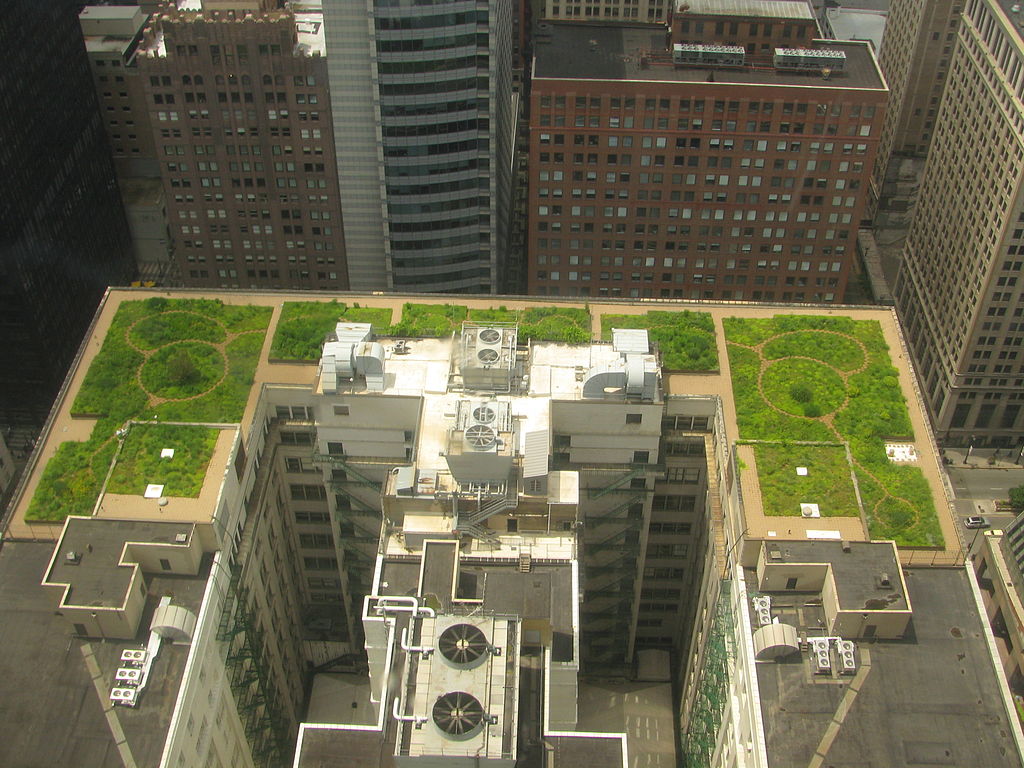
[369, 362]
[347, 353]
[631, 378]
[173, 622]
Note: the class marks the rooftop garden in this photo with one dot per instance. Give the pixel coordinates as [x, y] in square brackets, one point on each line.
[437, 320]
[686, 339]
[189, 360]
[830, 379]
[827, 481]
[569, 325]
[142, 461]
[303, 325]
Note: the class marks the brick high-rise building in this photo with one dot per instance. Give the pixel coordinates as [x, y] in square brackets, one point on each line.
[609, 10]
[959, 288]
[710, 172]
[227, 103]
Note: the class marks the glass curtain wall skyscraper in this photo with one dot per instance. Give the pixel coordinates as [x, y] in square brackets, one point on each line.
[424, 119]
[63, 233]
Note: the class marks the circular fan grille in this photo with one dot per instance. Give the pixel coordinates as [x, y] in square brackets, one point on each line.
[483, 414]
[490, 336]
[487, 355]
[480, 436]
[462, 644]
[457, 713]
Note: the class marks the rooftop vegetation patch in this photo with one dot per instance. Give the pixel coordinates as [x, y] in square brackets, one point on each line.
[419, 320]
[569, 325]
[143, 348]
[772, 405]
[140, 462]
[303, 326]
[827, 483]
[686, 339]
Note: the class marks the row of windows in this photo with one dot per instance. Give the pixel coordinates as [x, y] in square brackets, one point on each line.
[663, 104]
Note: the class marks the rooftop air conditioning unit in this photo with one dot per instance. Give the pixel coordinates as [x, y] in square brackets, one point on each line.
[488, 346]
[847, 658]
[820, 656]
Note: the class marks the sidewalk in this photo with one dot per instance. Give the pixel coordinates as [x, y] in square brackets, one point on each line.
[982, 458]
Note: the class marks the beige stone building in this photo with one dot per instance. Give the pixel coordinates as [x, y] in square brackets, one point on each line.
[958, 291]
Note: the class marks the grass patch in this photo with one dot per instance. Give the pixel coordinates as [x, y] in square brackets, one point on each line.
[755, 419]
[167, 327]
[803, 387]
[830, 348]
[303, 325]
[898, 501]
[686, 339]
[827, 483]
[559, 324]
[182, 369]
[72, 478]
[429, 320]
[140, 464]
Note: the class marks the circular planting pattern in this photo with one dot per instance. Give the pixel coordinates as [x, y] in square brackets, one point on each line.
[829, 347]
[805, 374]
[155, 331]
[182, 370]
[800, 386]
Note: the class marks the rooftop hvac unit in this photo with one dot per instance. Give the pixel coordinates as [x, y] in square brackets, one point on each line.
[124, 696]
[697, 54]
[459, 715]
[181, 538]
[480, 437]
[464, 646]
[133, 656]
[820, 656]
[808, 59]
[847, 657]
[488, 346]
[763, 610]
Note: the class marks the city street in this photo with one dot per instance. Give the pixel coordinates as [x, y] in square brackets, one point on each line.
[977, 489]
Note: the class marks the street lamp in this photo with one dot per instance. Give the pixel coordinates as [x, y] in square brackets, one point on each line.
[970, 450]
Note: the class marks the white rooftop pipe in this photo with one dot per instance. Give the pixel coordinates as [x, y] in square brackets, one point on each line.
[416, 720]
[426, 650]
[407, 604]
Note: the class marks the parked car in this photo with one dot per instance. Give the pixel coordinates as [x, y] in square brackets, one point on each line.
[976, 521]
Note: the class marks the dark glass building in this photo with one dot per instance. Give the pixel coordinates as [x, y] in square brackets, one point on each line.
[63, 232]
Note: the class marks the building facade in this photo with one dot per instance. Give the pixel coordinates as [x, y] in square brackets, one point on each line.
[966, 334]
[64, 233]
[654, 176]
[609, 10]
[237, 101]
[916, 52]
[424, 142]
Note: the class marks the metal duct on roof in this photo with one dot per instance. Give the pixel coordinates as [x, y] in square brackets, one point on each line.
[369, 361]
[775, 641]
[173, 622]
